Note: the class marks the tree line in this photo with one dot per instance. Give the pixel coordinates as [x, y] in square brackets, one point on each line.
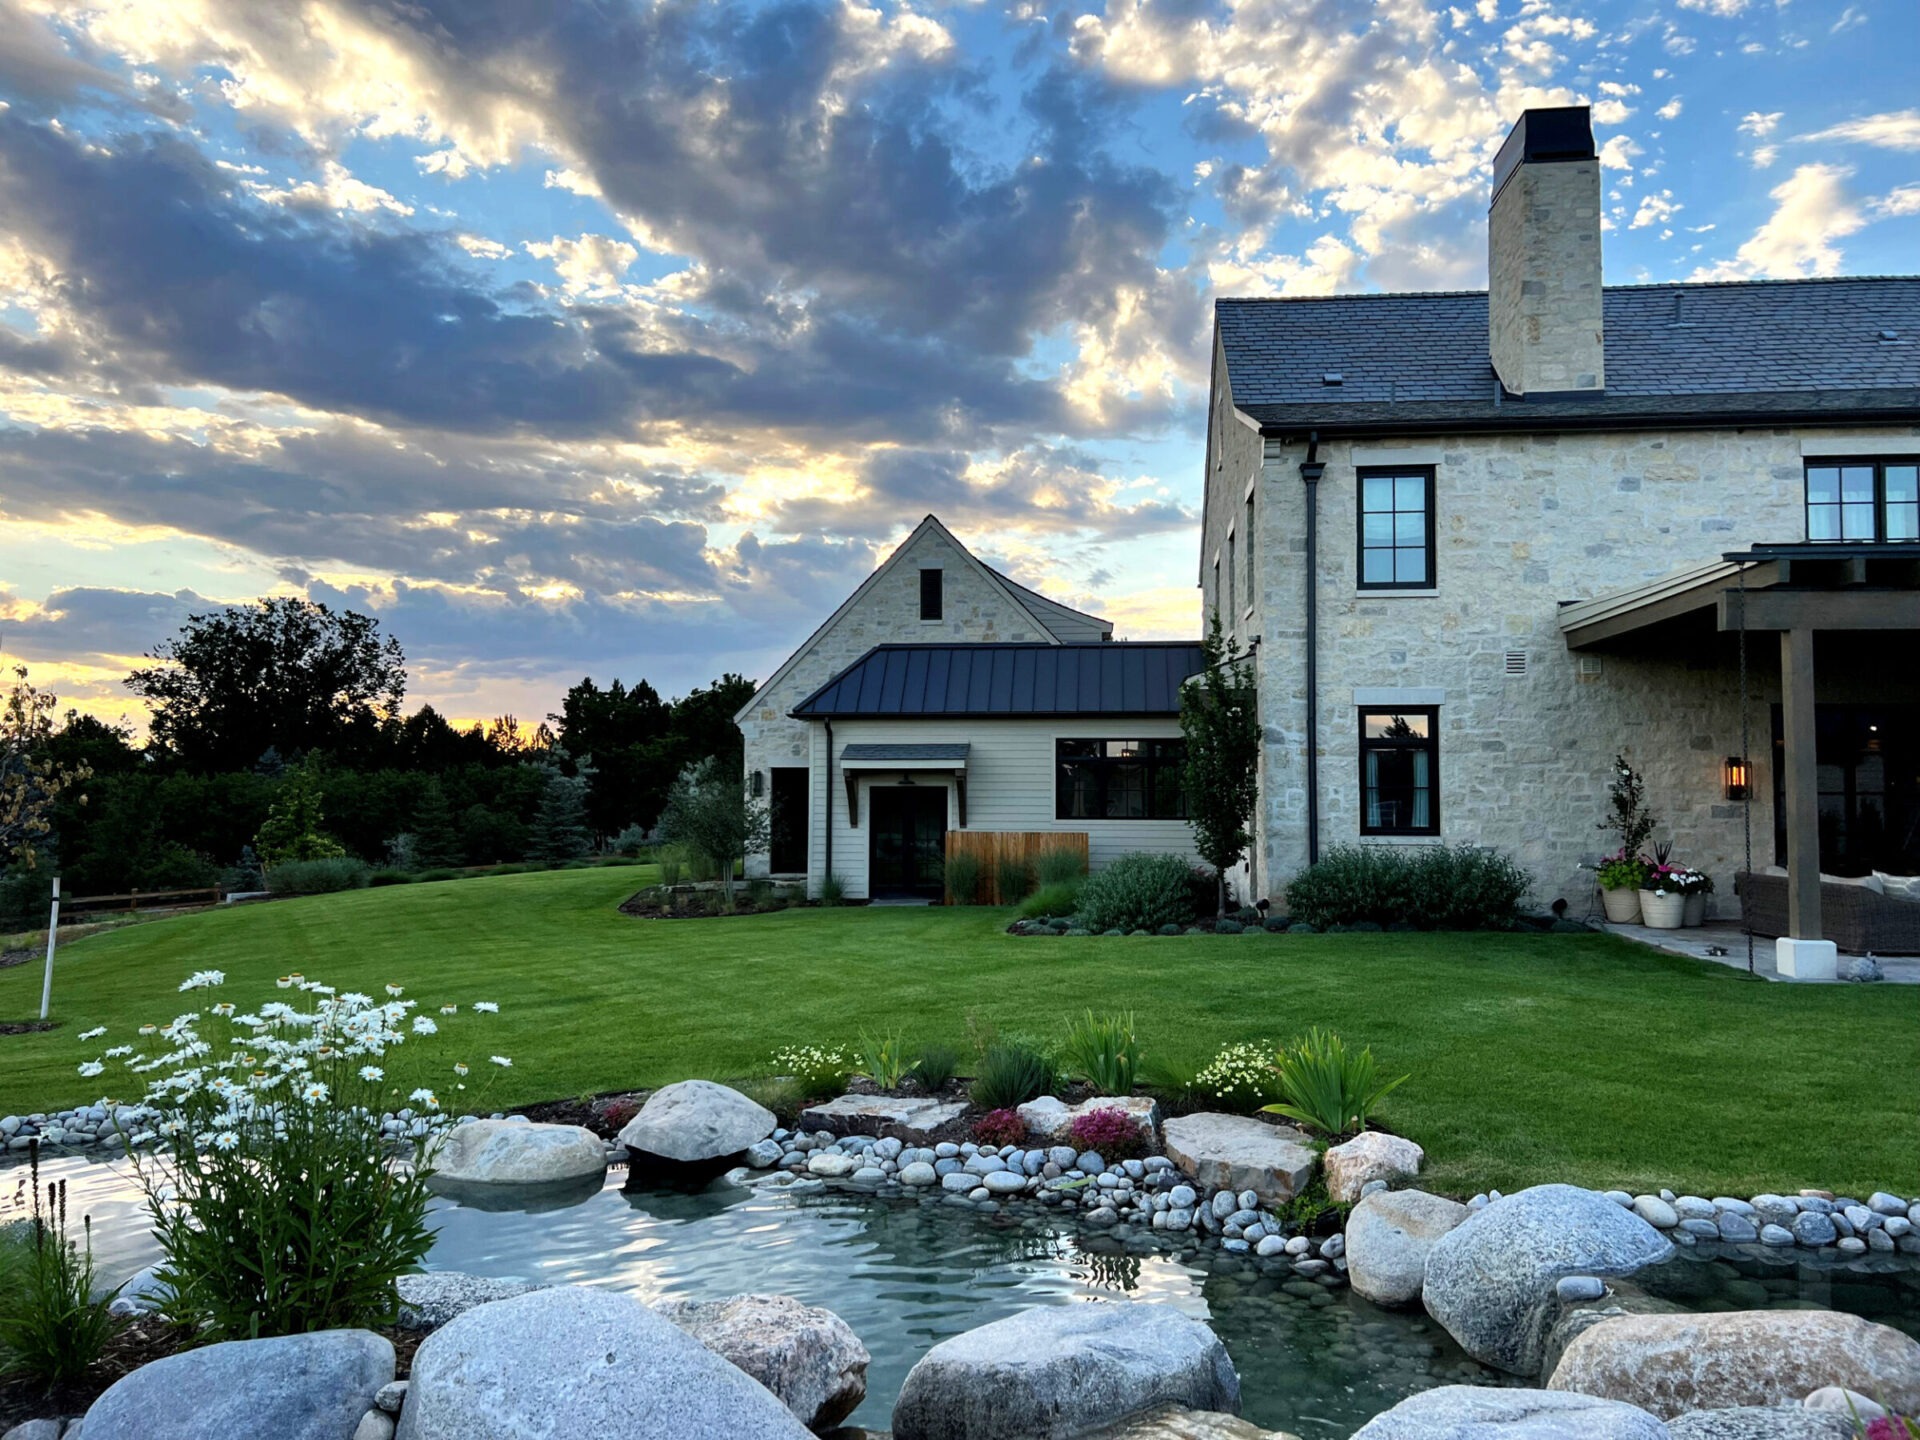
[284, 719]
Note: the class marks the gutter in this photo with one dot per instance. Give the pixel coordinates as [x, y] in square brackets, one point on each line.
[829, 867]
[1516, 419]
[1311, 469]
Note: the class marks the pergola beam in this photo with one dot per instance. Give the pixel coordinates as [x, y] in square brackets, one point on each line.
[1781, 609]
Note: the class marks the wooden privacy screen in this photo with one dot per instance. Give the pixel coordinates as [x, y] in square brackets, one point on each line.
[990, 847]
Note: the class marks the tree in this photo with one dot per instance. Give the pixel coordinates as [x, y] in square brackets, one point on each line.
[1221, 722]
[292, 830]
[708, 810]
[31, 779]
[436, 838]
[559, 829]
[283, 673]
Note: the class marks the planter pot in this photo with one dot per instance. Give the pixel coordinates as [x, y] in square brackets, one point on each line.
[1662, 911]
[1622, 906]
[1696, 911]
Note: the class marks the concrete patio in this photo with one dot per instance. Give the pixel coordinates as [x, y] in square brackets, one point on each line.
[1726, 936]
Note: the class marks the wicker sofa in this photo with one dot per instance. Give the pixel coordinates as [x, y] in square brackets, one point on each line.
[1855, 918]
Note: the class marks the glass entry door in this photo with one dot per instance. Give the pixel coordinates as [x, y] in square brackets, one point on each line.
[908, 829]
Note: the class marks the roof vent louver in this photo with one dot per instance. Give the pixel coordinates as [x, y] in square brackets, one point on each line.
[1332, 377]
[1889, 334]
[1516, 662]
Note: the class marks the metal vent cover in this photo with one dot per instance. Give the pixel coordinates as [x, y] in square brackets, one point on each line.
[1516, 662]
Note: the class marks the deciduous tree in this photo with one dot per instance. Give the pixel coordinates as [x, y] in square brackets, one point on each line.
[1220, 718]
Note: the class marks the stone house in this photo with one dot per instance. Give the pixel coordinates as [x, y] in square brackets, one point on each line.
[1481, 542]
[944, 696]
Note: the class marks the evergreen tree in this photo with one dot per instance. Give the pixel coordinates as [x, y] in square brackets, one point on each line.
[1220, 718]
[559, 830]
[436, 838]
[292, 831]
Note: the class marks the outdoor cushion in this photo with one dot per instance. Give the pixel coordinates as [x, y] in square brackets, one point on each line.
[1779, 870]
[1865, 882]
[1904, 887]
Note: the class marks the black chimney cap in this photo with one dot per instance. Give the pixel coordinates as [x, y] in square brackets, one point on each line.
[1564, 132]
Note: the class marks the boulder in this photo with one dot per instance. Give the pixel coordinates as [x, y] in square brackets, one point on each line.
[695, 1121]
[1761, 1422]
[429, 1301]
[1389, 1235]
[1622, 1297]
[1050, 1118]
[809, 1358]
[878, 1114]
[1671, 1364]
[1474, 1412]
[1063, 1370]
[1490, 1281]
[1233, 1152]
[504, 1152]
[1370, 1155]
[292, 1387]
[570, 1363]
[35, 1430]
[1178, 1424]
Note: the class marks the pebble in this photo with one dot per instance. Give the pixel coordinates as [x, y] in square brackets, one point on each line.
[1656, 1211]
[1810, 1227]
[1776, 1235]
[391, 1396]
[1572, 1289]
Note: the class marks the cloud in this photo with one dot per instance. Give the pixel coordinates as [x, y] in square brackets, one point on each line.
[1812, 209]
[1655, 210]
[1902, 200]
[591, 265]
[1760, 125]
[1893, 130]
[1722, 9]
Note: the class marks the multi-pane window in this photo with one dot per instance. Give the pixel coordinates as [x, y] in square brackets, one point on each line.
[1119, 780]
[1233, 604]
[1863, 500]
[1246, 545]
[1396, 529]
[1400, 771]
[932, 594]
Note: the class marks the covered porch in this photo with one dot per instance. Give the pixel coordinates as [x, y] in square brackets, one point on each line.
[1827, 638]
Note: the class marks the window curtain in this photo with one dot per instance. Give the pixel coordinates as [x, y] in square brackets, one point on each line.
[1373, 789]
[1422, 790]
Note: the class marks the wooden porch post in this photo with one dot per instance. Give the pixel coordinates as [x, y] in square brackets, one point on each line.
[1800, 785]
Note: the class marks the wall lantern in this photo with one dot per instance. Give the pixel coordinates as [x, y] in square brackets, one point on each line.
[1736, 777]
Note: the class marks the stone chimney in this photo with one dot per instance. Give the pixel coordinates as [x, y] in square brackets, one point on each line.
[1543, 257]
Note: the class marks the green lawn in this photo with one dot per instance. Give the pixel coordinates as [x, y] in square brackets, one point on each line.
[1533, 1057]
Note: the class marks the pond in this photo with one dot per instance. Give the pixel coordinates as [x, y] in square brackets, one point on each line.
[906, 1273]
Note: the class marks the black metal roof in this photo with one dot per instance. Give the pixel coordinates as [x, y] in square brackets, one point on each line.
[1759, 351]
[892, 754]
[1124, 678]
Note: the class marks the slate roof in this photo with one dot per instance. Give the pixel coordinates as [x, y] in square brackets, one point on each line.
[1769, 350]
[1008, 680]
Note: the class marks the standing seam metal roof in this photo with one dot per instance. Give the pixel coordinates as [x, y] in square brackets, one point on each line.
[1124, 678]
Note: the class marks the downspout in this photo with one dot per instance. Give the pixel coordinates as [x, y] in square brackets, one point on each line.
[1311, 469]
[827, 873]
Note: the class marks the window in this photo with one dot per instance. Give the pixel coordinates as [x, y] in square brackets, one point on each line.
[1863, 500]
[1233, 605]
[1246, 545]
[932, 594]
[1119, 780]
[1396, 529]
[1400, 771]
[1215, 597]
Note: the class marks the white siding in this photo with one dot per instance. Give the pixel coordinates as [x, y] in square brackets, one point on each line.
[1010, 786]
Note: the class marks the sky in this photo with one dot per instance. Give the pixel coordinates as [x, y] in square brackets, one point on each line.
[617, 338]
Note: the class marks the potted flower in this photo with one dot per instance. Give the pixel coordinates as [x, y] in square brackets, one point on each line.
[1696, 885]
[1663, 898]
[1621, 877]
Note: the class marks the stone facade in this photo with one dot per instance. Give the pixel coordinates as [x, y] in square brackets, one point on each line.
[1528, 729]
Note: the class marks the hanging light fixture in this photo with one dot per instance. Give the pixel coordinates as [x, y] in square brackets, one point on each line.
[1737, 778]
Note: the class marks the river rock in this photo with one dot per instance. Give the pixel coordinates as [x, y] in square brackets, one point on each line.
[40, 1430]
[697, 1120]
[1490, 1281]
[1389, 1235]
[429, 1301]
[1063, 1370]
[809, 1358]
[1761, 1422]
[872, 1114]
[1671, 1364]
[1475, 1412]
[1050, 1118]
[292, 1387]
[1178, 1424]
[1369, 1156]
[1234, 1152]
[509, 1152]
[571, 1363]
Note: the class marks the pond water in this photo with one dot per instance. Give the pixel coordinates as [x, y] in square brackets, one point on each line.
[906, 1274]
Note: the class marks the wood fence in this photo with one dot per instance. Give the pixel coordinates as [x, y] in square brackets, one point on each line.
[211, 895]
[992, 848]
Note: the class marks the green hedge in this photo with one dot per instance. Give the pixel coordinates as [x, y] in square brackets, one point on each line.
[1442, 887]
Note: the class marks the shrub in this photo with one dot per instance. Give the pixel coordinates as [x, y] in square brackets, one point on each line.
[389, 877]
[833, 890]
[1011, 1073]
[434, 877]
[1060, 865]
[1241, 1078]
[883, 1059]
[1441, 887]
[817, 1070]
[672, 860]
[1110, 1133]
[936, 1067]
[275, 1207]
[317, 877]
[1328, 1087]
[630, 841]
[1103, 1051]
[1013, 878]
[52, 1328]
[1060, 898]
[963, 877]
[1141, 891]
[1000, 1127]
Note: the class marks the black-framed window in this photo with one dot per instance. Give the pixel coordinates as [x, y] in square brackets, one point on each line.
[1863, 499]
[1400, 770]
[1119, 780]
[1396, 529]
[932, 594]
